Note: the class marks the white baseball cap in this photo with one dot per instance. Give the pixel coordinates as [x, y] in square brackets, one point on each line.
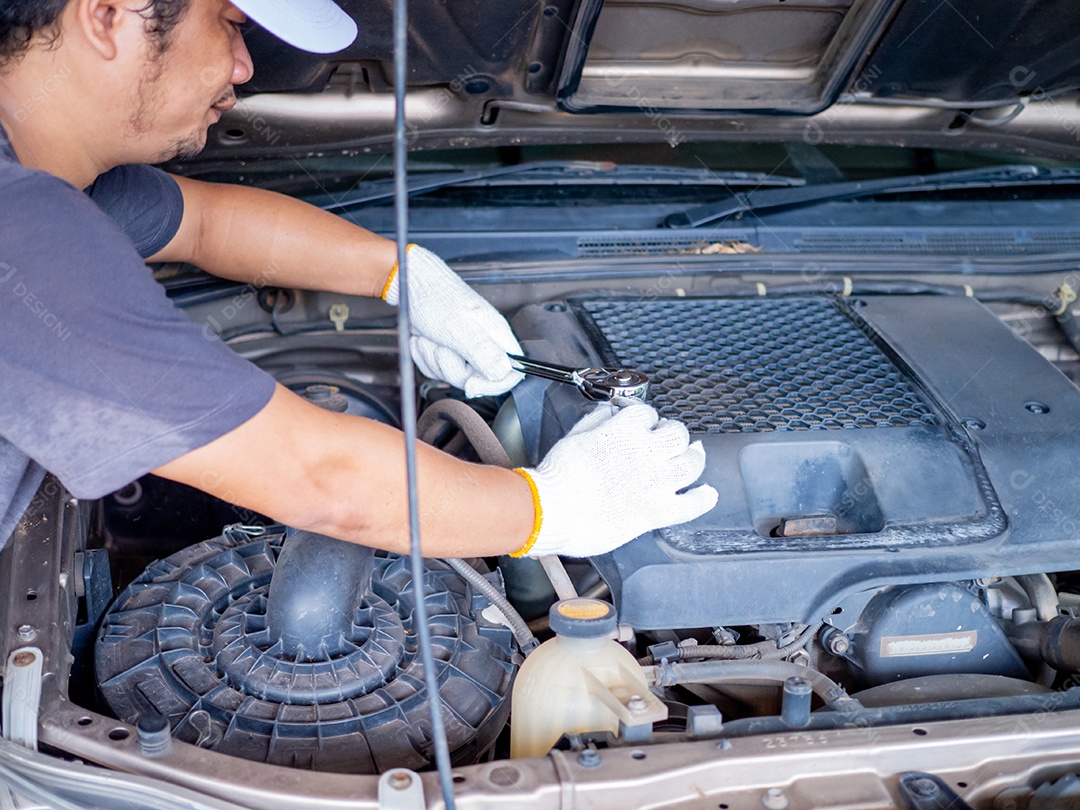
[317, 26]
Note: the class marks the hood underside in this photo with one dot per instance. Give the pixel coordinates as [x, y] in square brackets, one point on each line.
[937, 73]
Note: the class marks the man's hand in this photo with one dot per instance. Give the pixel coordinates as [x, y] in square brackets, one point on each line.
[615, 476]
[457, 335]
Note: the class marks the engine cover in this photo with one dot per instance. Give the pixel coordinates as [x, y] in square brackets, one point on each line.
[855, 444]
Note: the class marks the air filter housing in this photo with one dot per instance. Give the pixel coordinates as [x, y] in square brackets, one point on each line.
[189, 639]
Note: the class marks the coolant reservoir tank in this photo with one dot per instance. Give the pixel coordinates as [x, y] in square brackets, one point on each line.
[582, 680]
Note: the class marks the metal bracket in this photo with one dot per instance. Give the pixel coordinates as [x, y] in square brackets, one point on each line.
[22, 696]
[339, 315]
[1069, 611]
[401, 789]
[636, 734]
[704, 721]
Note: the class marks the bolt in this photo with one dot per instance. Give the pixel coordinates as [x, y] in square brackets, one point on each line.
[798, 686]
[27, 633]
[795, 705]
[636, 703]
[154, 734]
[589, 758]
[774, 799]
[24, 659]
[839, 644]
[400, 780]
[924, 788]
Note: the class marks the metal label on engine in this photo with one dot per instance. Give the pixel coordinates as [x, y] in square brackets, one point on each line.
[929, 644]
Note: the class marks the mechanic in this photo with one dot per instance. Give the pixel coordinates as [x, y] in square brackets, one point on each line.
[104, 380]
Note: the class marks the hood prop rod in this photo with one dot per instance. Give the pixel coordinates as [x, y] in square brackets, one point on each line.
[408, 401]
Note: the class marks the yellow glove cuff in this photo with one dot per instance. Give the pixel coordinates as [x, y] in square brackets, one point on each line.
[393, 275]
[538, 515]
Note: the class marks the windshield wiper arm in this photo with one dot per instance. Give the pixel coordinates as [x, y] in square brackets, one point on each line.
[754, 201]
[557, 171]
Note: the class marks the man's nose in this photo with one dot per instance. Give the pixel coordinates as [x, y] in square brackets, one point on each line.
[243, 69]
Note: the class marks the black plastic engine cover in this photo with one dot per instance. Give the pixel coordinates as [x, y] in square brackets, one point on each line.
[854, 443]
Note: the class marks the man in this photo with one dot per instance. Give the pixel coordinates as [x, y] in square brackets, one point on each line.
[104, 381]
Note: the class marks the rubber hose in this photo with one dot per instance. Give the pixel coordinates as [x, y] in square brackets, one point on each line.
[556, 574]
[490, 451]
[1044, 598]
[1056, 642]
[762, 650]
[730, 652]
[711, 672]
[518, 625]
[316, 588]
[470, 423]
[1066, 321]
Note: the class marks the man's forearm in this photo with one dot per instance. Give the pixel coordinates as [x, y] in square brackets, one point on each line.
[268, 239]
[344, 476]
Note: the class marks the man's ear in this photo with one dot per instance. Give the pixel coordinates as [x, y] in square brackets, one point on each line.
[101, 24]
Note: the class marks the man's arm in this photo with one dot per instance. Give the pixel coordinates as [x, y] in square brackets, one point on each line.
[344, 476]
[335, 474]
[264, 238]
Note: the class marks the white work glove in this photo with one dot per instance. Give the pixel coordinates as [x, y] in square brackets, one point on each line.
[457, 336]
[612, 478]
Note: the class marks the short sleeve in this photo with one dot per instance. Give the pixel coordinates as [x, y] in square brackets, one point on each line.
[103, 378]
[145, 202]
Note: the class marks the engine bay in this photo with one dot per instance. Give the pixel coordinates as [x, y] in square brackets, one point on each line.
[895, 529]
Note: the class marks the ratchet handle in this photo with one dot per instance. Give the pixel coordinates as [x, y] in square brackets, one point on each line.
[597, 384]
[549, 371]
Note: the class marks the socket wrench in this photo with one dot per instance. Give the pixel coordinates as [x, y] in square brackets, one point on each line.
[597, 384]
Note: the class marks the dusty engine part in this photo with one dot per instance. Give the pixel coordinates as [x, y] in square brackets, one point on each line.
[191, 639]
[916, 630]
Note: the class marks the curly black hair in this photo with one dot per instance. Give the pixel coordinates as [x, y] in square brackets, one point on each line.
[24, 21]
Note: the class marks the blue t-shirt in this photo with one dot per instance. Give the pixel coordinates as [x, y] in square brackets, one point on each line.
[102, 379]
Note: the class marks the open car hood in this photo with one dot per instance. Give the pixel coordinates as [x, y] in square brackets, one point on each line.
[934, 73]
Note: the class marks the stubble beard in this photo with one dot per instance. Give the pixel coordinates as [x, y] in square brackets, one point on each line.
[148, 98]
[186, 148]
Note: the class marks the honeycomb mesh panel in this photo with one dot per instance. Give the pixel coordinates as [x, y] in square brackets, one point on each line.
[756, 365]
